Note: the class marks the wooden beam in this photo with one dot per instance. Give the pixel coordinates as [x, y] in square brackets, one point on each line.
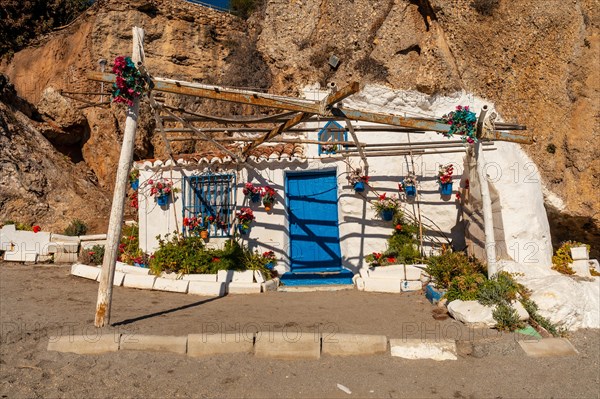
[223, 94]
[278, 130]
[389, 119]
[325, 106]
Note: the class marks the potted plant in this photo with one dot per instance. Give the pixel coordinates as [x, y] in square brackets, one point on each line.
[386, 207]
[329, 149]
[463, 122]
[251, 191]
[134, 179]
[270, 259]
[357, 180]
[244, 216]
[445, 179]
[268, 197]
[194, 226]
[409, 185]
[161, 189]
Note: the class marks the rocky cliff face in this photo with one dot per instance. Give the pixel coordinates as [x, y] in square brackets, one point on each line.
[536, 60]
[38, 184]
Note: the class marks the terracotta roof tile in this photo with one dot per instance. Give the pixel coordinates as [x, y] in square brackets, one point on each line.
[264, 153]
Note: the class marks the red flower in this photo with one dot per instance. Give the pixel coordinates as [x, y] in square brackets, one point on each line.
[458, 196]
[215, 259]
[398, 227]
[382, 196]
[391, 260]
[365, 179]
[36, 228]
[90, 253]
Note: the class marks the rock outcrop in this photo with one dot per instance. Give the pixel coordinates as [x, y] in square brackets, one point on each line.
[537, 61]
[38, 184]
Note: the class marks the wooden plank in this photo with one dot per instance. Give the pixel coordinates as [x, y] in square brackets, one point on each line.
[325, 105]
[389, 119]
[223, 94]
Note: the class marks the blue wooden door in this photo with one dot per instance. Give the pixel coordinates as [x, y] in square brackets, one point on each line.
[313, 221]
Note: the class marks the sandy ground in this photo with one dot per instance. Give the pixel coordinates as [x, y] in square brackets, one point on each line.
[41, 301]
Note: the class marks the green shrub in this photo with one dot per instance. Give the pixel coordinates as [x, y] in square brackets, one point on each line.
[535, 318]
[93, 256]
[444, 268]
[501, 288]
[186, 255]
[76, 228]
[507, 318]
[180, 255]
[562, 261]
[465, 287]
[402, 245]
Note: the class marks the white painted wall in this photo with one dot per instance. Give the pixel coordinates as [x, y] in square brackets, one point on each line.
[511, 173]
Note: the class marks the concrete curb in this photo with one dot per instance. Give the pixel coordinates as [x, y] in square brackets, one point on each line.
[84, 344]
[423, 349]
[354, 344]
[217, 344]
[284, 345]
[154, 343]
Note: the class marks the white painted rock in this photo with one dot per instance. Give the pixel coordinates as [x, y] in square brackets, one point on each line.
[225, 276]
[85, 271]
[419, 349]
[565, 301]
[581, 267]
[201, 277]
[407, 286]
[396, 272]
[472, 313]
[579, 253]
[381, 285]
[246, 276]
[523, 315]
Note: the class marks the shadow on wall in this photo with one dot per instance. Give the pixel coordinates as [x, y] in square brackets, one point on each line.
[565, 227]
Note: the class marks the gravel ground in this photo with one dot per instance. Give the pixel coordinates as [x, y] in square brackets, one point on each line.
[41, 301]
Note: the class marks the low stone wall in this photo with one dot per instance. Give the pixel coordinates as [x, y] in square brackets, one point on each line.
[223, 283]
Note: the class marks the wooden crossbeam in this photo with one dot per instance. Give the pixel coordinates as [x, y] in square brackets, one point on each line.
[389, 119]
[309, 108]
[325, 106]
[220, 93]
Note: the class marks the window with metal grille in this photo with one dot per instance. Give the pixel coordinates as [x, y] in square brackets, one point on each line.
[332, 132]
[211, 199]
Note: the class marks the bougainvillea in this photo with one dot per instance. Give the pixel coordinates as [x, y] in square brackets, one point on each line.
[129, 83]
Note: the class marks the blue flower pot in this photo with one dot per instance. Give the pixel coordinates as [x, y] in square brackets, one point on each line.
[387, 214]
[162, 200]
[255, 198]
[410, 191]
[135, 184]
[359, 186]
[243, 229]
[270, 265]
[446, 188]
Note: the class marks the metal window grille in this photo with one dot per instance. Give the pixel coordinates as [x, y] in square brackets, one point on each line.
[210, 195]
[333, 132]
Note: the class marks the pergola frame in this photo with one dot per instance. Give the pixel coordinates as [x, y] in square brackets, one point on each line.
[296, 111]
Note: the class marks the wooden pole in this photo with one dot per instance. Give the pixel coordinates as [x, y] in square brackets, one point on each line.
[113, 236]
[488, 216]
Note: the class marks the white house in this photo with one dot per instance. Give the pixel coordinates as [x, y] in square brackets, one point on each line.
[320, 224]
